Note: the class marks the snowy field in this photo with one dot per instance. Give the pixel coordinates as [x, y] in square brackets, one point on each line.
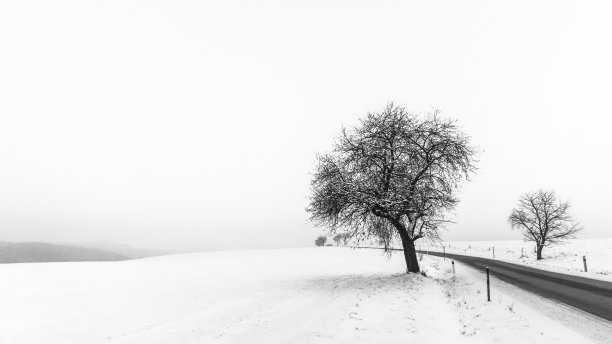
[566, 258]
[308, 295]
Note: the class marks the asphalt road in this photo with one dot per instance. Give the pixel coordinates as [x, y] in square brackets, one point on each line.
[589, 295]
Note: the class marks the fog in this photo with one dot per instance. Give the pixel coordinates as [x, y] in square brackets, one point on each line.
[186, 125]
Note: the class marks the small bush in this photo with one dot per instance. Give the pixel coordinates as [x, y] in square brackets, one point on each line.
[320, 241]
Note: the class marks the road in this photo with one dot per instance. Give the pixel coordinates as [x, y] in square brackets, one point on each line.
[589, 295]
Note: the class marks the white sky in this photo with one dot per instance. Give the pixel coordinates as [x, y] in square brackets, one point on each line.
[192, 124]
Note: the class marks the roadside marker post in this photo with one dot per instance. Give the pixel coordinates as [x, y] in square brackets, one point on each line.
[488, 287]
[584, 261]
[493, 251]
[453, 262]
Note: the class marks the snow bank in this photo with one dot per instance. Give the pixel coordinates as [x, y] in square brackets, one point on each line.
[311, 295]
[566, 258]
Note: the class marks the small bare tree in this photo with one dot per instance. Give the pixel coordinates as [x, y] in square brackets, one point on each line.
[543, 219]
[395, 174]
[337, 239]
[345, 237]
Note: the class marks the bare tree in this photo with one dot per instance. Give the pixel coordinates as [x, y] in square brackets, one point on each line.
[320, 241]
[543, 219]
[395, 167]
[337, 239]
[345, 237]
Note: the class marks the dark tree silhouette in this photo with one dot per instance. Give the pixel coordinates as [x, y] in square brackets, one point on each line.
[543, 219]
[337, 238]
[394, 170]
[320, 241]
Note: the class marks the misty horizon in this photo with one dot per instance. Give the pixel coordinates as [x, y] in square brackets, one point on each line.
[196, 126]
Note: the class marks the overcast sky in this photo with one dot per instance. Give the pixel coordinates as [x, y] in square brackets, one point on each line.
[195, 124]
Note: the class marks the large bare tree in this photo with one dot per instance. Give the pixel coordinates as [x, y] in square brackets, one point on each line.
[395, 167]
[543, 219]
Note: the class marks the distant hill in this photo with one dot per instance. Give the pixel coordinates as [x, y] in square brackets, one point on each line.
[121, 249]
[32, 252]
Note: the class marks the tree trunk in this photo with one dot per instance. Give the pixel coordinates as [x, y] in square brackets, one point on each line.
[539, 252]
[412, 263]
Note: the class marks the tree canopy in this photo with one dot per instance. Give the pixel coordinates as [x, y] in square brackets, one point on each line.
[543, 219]
[394, 166]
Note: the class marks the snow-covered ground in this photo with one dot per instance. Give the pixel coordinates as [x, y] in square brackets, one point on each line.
[565, 258]
[308, 295]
